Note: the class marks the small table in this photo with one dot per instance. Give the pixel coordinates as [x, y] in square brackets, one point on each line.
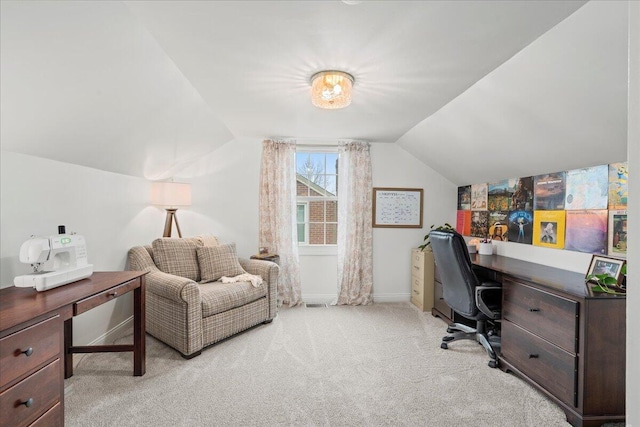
[267, 257]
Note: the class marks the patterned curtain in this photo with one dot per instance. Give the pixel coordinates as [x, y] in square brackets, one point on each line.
[355, 235]
[278, 230]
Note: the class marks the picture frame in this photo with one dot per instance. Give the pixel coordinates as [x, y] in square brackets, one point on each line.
[606, 265]
[398, 207]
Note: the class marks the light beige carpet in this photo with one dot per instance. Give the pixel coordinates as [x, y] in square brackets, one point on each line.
[337, 366]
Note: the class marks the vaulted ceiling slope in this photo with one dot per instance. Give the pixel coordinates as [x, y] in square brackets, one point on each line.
[559, 104]
[145, 88]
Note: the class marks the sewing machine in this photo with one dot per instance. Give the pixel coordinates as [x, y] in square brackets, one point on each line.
[56, 261]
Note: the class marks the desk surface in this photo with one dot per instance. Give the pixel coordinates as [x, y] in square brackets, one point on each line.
[18, 305]
[551, 277]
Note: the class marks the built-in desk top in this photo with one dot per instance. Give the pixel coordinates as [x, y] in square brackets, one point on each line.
[551, 277]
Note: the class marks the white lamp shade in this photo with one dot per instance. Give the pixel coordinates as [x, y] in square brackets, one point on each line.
[171, 194]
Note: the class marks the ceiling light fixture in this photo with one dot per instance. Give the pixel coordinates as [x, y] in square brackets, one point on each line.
[331, 89]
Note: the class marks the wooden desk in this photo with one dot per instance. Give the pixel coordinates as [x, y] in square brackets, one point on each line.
[36, 348]
[561, 338]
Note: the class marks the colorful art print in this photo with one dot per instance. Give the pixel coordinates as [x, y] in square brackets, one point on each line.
[479, 223]
[521, 193]
[548, 229]
[498, 225]
[587, 188]
[618, 189]
[463, 222]
[602, 265]
[520, 226]
[587, 231]
[464, 198]
[479, 196]
[548, 191]
[498, 198]
[617, 246]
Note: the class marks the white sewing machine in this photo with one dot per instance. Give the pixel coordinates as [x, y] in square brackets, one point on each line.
[56, 261]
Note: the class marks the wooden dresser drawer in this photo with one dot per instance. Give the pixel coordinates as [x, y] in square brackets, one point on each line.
[43, 388]
[545, 363]
[52, 418]
[549, 316]
[29, 348]
[98, 299]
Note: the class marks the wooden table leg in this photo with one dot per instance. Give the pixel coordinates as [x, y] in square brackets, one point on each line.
[139, 310]
[68, 342]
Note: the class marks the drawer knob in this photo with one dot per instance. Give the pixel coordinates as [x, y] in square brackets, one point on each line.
[534, 309]
[114, 294]
[28, 352]
[27, 402]
[533, 356]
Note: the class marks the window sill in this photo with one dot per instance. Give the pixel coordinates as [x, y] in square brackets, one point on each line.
[318, 250]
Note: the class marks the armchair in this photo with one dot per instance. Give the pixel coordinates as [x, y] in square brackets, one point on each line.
[188, 315]
[465, 294]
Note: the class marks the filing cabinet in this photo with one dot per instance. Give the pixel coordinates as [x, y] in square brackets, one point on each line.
[422, 276]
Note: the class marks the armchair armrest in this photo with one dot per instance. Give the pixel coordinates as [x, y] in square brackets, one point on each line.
[493, 295]
[174, 288]
[270, 273]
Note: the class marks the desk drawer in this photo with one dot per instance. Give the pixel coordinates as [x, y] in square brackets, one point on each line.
[52, 418]
[545, 363]
[549, 316]
[43, 339]
[98, 299]
[438, 300]
[43, 387]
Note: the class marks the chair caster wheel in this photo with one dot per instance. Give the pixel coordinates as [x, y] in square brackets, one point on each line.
[447, 338]
[450, 330]
[444, 345]
[493, 364]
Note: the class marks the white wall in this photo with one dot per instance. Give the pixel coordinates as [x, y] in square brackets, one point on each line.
[111, 210]
[633, 147]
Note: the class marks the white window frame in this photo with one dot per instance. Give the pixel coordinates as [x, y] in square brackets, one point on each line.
[305, 223]
[316, 249]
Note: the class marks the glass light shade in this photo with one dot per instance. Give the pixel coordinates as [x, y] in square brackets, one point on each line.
[331, 89]
[171, 194]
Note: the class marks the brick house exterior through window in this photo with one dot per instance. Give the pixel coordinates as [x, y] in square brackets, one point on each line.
[317, 202]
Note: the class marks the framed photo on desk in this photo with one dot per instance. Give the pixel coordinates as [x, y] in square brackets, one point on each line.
[604, 265]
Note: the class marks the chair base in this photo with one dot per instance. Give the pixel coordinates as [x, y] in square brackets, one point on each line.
[459, 331]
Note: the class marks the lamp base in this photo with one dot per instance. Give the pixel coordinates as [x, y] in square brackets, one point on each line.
[171, 217]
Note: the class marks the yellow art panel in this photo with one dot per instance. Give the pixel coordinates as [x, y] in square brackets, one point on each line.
[548, 229]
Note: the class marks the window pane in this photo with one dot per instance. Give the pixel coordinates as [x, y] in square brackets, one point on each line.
[331, 211]
[316, 234]
[332, 163]
[331, 237]
[301, 236]
[316, 211]
[300, 213]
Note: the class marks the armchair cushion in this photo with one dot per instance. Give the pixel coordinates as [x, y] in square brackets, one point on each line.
[221, 297]
[218, 261]
[177, 257]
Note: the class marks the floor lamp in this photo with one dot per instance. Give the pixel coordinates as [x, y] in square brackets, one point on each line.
[171, 195]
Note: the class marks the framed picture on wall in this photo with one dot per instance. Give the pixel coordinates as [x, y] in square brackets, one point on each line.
[397, 207]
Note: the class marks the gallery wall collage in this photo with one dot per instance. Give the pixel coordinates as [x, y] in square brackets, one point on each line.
[580, 210]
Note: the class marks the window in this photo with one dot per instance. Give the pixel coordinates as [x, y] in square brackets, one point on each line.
[317, 200]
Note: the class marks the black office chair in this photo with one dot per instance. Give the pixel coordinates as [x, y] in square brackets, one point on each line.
[465, 294]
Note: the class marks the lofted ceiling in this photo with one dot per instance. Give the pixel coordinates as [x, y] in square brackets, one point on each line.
[147, 88]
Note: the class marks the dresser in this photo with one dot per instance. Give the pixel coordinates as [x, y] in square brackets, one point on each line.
[36, 351]
[422, 276]
[557, 335]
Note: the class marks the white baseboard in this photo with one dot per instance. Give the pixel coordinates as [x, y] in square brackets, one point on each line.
[328, 298]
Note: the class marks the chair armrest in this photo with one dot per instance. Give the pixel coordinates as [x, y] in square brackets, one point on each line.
[494, 313]
[174, 288]
[259, 267]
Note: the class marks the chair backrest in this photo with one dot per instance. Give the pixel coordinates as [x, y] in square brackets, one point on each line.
[454, 266]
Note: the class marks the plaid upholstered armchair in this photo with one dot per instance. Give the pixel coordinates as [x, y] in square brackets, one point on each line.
[187, 307]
